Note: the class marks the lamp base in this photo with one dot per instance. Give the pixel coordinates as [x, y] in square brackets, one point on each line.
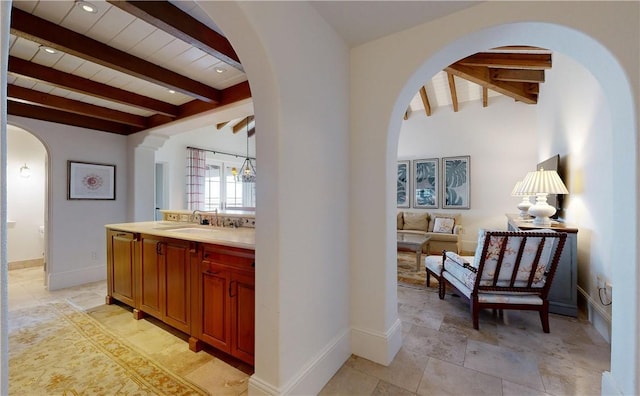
[542, 211]
[524, 206]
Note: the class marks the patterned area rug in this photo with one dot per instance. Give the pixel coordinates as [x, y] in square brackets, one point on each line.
[407, 273]
[55, 349]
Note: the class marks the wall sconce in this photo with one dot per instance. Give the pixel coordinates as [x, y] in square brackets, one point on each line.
[25, 172]
[541, 183]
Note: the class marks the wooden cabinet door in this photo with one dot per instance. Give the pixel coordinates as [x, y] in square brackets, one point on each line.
[151, 275]
[176, 293]
[242, 298]
[121, 266]
[215, 306]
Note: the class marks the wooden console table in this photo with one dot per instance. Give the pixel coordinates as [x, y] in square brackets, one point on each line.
[563, 296]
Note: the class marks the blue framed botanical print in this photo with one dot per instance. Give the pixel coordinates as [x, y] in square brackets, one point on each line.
[403, 184]
[456, 182]
[425, 183]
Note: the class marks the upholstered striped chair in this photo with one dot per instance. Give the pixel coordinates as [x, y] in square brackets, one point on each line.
[510, 270]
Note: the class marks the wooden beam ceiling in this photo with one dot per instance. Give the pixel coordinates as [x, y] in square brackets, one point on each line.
[56, 78]
[172, 20]
[242, 124]
[515, 71]
[425, 100]
[51, 35]
[161, 14]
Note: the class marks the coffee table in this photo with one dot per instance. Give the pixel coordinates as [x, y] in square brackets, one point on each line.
[413, 243]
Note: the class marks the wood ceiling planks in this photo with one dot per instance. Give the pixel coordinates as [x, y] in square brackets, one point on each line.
[89, 81]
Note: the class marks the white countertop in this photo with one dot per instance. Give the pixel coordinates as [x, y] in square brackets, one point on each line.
[243, 237]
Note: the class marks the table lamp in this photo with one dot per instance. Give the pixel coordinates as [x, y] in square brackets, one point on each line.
[525, 204]
[542, 183]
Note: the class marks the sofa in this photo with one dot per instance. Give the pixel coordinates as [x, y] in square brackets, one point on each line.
[443, 229]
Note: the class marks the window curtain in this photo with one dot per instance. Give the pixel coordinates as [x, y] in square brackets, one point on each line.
[196, 169]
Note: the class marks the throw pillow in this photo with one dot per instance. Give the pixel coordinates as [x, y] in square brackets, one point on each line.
[415, 221]
[443, 225]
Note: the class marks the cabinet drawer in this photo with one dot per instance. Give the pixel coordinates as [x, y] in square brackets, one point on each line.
[228, 256]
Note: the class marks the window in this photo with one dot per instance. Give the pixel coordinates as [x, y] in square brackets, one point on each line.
[233, 193]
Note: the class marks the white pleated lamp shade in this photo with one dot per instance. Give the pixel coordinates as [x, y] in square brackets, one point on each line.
[542, 181]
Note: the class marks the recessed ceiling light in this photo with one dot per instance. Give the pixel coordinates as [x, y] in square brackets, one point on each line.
[86, 6]
[220, 70]
[171, 91]
[48, 50]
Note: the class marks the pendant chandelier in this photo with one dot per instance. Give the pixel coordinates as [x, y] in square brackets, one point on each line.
[248, 171]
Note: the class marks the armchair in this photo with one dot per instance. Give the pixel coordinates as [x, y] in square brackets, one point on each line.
[516, 270]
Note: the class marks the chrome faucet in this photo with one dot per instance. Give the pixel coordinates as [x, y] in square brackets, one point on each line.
[192, 218]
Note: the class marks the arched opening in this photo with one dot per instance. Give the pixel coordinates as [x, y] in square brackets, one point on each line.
[613, 81]
[27, 202]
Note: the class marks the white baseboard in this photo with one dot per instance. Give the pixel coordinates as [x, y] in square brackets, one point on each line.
[376, 346]
[62, 280]
[598, 316]
[313, 376]
[609, 387]
[594, 304]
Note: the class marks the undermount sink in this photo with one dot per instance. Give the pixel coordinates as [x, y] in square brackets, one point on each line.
[193, 230]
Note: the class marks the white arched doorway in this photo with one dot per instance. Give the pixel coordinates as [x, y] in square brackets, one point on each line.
[27, 159]
[606, 69]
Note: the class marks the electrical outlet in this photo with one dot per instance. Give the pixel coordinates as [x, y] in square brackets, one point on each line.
[600, 282]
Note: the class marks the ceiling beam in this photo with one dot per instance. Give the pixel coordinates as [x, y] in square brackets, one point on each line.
[84, 86]
[63, 117]
[233, 94]
[407, 113]
[29, 96]
[452, 89]
[47, 33]
[221, 125]
[508, 60]
[242, 124]
[485, 97]
[425, 100]
[480, 76]
[170, 19]
[534, 76]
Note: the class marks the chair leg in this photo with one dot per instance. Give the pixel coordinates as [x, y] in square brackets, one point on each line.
[475, 314]
[442, 287]
[544, 316]
[428, 278]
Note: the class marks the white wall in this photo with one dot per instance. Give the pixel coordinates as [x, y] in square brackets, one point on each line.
[298, 70]
[25, 196]
[76, 234]
[502, 133]
[173, 154]
[576, 123]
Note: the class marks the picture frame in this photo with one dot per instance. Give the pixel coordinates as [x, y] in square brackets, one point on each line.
[425, 183]
[456, 182]
[403, 192]
[90, 181]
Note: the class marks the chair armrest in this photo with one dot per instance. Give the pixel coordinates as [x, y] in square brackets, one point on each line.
[457, 229]
[459, 260]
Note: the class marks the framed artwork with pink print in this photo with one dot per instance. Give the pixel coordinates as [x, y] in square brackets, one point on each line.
[86, 180]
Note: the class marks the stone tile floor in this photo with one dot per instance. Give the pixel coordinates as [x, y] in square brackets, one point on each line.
[441, 354]
[510, 355]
